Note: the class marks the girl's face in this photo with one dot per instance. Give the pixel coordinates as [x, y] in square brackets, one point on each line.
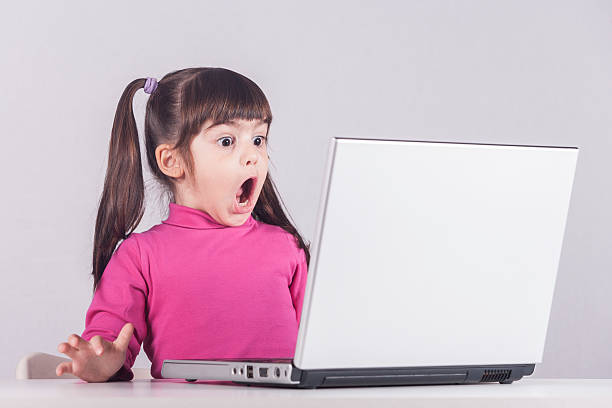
[225, 156]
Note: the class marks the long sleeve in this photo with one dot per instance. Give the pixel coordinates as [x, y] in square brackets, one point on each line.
[298, 283]
[120, 298]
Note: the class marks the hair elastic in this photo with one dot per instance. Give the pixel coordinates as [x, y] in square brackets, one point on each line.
[150, 85]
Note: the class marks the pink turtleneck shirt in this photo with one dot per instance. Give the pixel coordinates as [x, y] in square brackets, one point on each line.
[197, 289]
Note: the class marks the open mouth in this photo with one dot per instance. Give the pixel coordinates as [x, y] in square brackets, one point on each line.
[244, 195]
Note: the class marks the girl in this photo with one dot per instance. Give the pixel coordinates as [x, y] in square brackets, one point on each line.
[224, 275]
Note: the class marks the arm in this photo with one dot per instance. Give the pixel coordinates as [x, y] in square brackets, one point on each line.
[298, 283]
[120, 298]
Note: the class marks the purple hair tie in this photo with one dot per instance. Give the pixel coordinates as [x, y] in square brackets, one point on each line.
[150, 85]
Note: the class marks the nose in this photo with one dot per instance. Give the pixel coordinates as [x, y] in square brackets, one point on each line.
[249, 157]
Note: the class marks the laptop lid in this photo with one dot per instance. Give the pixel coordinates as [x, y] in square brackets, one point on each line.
[434, 254]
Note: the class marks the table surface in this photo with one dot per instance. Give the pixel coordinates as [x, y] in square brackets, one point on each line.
[526, 392]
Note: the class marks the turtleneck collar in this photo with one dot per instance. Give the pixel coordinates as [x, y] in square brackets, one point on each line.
[188, 217]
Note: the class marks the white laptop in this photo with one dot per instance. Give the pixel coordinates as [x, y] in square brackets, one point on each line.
[432, 263]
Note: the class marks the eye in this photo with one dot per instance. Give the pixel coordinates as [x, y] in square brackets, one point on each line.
[224, 138]
[225, 144]
[263, 139]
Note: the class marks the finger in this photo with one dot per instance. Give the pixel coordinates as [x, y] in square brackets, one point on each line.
[67, 349]
[97, 343]
[63, 368]
[125, 335]
[77, 341]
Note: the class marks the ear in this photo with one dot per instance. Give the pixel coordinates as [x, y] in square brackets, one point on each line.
[168, 161]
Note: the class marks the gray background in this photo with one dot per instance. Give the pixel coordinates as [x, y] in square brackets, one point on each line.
[523, 72]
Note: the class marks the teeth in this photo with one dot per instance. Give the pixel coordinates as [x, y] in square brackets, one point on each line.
[244, 204]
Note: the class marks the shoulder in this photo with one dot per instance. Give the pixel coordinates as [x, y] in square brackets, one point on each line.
[140, 246]
[274, 232]
[128, 251]
[146, 240]
[130, 244]
[276, 235]
[292, 244]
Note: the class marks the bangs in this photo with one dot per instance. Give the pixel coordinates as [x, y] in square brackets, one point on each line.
[221, 95]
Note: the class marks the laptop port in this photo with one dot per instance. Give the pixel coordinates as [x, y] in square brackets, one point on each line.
[277, 372]
[249, 371]
[263, 371]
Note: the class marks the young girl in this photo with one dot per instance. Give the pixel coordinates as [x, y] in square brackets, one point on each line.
[224, 275]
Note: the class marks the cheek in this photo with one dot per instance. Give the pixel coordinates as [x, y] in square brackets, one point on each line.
[215, 180]
[265, 160]
[264, 174]
[213, 175]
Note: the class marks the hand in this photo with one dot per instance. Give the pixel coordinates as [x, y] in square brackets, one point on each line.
[95, 360]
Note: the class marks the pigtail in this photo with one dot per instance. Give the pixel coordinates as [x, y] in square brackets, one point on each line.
[269, 210]
[121, 205]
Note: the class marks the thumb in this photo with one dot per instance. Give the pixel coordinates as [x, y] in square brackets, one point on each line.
[125, 335]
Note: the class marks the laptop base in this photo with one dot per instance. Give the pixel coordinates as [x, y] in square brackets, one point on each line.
[346, 377]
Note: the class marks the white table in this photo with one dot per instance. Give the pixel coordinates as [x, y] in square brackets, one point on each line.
[178, 393]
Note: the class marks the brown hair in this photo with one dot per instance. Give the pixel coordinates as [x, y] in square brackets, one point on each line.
[175, 113]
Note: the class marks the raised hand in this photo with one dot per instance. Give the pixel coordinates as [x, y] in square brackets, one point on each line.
[95, 360]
